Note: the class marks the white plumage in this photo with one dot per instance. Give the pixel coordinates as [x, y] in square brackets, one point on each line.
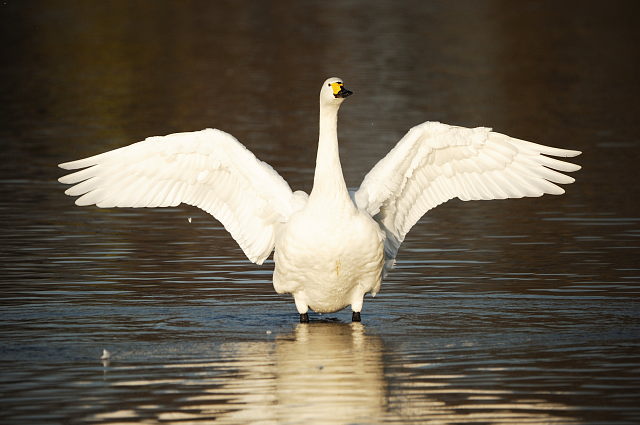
[331, 247]
[209, 169]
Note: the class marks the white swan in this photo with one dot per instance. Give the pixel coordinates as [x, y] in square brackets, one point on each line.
[331, 247]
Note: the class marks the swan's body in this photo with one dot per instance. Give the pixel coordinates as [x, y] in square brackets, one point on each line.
[331, 247]
[329, 255]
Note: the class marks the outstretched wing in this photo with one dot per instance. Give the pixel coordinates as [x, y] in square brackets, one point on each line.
[435, 162]
[209, 169]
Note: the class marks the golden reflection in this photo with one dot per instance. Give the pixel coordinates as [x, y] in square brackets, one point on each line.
[329, 373]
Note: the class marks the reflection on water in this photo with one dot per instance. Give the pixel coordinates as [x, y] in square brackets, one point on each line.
[329, 373]
[322, 373]
[520, 311]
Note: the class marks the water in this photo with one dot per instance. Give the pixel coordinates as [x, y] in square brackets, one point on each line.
[520, 311]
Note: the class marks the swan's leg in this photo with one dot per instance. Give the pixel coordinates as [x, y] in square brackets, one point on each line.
[356, 306]
[302, 307]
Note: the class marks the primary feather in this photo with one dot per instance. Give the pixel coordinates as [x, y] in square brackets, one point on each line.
[331, 247]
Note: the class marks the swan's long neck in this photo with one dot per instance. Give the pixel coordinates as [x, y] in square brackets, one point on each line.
[328, 181]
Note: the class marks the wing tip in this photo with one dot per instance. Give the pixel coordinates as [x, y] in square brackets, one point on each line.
[68, 179]
[571, 153]
[557, 191]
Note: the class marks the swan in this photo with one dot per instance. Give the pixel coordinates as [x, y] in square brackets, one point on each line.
[331, 246]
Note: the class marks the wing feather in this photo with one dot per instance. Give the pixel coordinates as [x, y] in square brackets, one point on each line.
[436, 162]
[208, 169]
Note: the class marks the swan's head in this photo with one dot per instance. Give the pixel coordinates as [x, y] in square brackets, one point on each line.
[333, 91]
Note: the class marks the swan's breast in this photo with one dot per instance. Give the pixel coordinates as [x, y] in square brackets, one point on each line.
[328, 255]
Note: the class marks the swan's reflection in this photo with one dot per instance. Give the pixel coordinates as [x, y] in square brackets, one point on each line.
[329, 373]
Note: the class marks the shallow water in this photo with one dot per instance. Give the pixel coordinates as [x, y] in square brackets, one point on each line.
[520, 311]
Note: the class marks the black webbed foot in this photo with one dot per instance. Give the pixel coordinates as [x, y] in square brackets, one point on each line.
[355, 317]
[304, 318]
